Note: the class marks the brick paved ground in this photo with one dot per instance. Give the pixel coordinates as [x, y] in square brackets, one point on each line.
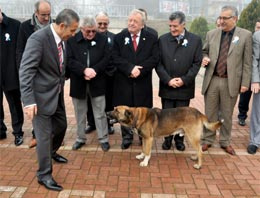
[93, 173]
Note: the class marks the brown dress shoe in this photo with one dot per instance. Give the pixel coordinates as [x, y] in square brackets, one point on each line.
[205, 147]
[33, 143]
[229, 150]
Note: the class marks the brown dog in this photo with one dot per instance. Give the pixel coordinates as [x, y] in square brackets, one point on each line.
[150, 123]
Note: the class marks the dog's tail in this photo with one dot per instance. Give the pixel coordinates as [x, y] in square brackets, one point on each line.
[213, 126]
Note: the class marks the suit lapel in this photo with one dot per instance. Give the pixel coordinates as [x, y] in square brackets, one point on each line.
[217, 41]
[142, 41]
[53, 46]
[232, 44]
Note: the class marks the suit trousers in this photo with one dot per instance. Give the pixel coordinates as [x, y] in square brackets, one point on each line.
[255, 121]
[243, 104]
[81, 109]
[219, 105]
[49, 131]
[16, 110]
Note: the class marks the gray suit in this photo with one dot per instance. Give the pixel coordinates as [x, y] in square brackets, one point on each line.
[41, 83]
[221, 93]
[255, 121]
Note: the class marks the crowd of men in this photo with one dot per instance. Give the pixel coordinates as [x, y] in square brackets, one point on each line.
[107, 70]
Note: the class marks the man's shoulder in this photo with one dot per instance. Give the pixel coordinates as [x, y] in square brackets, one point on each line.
[256, 35]
[243, 31]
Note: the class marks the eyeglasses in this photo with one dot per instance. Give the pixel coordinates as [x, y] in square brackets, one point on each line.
[102, 23]
[225, 18]
[90, 31]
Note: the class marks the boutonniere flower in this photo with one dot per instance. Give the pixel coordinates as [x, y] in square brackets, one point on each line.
[109, 40]
[143, 39]
[93, 43]
[7, 37]
[185, 43]
[235, 40]
[126, 40]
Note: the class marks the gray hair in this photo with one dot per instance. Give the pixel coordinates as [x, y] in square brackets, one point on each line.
[177, 15]
[102, 13]
[136, 11]
[232, 8]
[37, 4]
[88, 21]
[67, 16]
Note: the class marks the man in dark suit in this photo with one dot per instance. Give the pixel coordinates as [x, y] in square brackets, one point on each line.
[42, 77]
[149, 29]
[227, 57]
[88, 56]
[180, 59]
[102, 20]
[9, 78]
[135, 54]
[40, 19]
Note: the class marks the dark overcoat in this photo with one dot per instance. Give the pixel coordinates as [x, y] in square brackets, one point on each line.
[99, 54]
[179, 60]
[134, 91]
[9, 70]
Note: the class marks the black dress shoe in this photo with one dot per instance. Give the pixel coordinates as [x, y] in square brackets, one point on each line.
[90, 129]
[111, 130]
[50, 184]
[2, 136]
[77, 145]
[251, 149]
[125, 145]
[179, 142]
[18, 140]
[241, 122]
[105, 146]
[167, 144]
[58, 158]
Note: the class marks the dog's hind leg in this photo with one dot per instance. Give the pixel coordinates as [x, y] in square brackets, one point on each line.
[147, 151]
[195, 142]
[142, 155]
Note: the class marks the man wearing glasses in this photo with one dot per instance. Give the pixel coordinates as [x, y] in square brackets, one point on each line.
[88, 56]
[40, 19]
[227, 58]
[102, 20]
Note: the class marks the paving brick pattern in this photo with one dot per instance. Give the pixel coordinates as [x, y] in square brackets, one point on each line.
[92, 173]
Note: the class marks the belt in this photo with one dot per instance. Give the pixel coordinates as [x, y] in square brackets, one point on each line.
[222, 76]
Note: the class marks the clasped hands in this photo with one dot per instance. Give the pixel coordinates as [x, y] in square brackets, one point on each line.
[175, 82]
[89, 73]
[136, 71]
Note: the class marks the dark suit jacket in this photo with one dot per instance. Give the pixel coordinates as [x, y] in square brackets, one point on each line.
[177, 60]
[40, 78]
[134, 91]
[78, 49]
[9, 70]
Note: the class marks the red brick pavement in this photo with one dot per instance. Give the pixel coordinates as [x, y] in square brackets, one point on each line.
[93, 173]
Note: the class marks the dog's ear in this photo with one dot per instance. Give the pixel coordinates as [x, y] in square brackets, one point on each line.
[128, 113]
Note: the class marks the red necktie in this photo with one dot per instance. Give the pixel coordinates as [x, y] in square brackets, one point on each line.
[60, 55]
[134, 42]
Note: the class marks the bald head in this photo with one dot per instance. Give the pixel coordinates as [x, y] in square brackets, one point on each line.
[43, 11]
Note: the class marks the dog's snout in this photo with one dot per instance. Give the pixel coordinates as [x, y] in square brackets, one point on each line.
[111, 119]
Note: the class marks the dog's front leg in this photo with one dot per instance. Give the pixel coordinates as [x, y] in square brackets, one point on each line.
[147, 151]
[142, 155]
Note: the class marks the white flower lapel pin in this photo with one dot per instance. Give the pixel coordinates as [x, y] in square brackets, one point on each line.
[93, 43]
[109, 40]
[235, 40]
[143, 39]
[185, 43]
[126, 40]
[7, 37]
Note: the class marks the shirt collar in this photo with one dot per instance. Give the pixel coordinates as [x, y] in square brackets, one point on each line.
[56, 36]
[138, 34]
